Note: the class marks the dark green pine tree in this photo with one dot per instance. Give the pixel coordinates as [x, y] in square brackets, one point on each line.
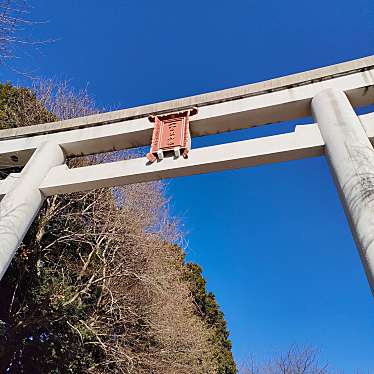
[20, 107]
[211, 313]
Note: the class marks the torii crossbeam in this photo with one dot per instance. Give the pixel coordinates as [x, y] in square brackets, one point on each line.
[330, 94]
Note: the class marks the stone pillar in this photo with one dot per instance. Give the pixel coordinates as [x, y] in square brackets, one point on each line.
[351, 158]
[20, 206]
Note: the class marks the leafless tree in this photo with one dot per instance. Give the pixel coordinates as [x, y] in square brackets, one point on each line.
[12, 20]
[60, 99]
[295, 361]
[16, 36]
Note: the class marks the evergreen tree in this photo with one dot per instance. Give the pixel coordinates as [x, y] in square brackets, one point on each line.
[20, 107]
[209, 310]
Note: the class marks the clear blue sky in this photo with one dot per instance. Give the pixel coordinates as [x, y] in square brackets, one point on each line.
[273, 240]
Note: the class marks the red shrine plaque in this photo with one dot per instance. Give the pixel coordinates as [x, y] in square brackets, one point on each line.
[171, 133]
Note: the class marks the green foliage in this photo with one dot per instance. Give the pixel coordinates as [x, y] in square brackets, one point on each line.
[20, 107]
[37, 334]
[34, 335]
[209, 310]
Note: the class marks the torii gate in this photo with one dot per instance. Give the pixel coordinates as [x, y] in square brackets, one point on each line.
[329, 94]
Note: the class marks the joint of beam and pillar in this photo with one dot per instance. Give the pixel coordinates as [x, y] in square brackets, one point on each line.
[23, 201]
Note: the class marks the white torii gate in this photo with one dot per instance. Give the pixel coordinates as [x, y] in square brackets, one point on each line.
[329, 94]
